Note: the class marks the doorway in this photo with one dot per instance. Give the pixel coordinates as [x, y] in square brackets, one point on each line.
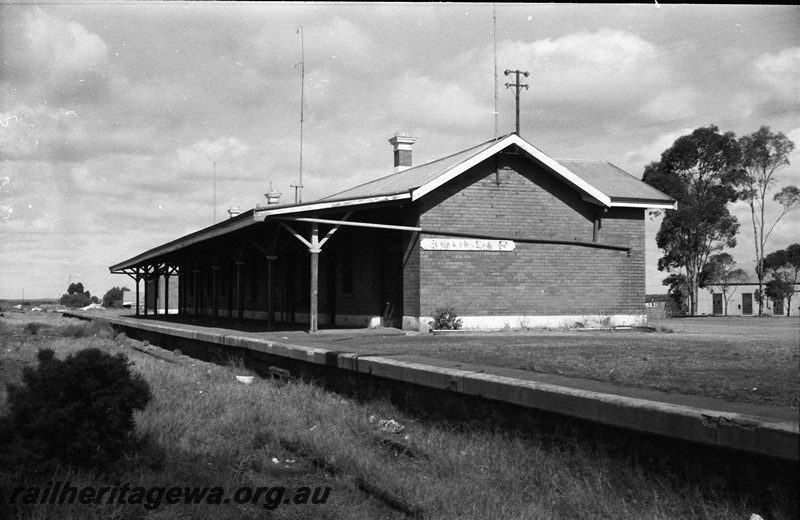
[747, 303]
[391, 281]
[717, 303]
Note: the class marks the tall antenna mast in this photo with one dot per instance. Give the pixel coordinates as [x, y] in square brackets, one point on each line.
[215, 192]
[517, 87]
[298, 188]
[494, 33]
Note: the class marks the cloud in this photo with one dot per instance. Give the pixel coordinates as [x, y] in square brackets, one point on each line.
[608, 67]
[44, 133]
[435, 104]
[780, 71]
[198, 159]
[62, 60]
[635, 160]
[341, 40]
[672, 104]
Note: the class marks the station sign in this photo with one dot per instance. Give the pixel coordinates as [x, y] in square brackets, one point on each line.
[466, 244]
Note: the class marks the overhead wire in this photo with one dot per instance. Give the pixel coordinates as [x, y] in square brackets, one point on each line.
[796, 109]
[691, 45]
[687, 118]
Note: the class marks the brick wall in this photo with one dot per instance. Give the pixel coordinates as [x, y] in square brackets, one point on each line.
[411, 266]
[534, 279]
[360, 246]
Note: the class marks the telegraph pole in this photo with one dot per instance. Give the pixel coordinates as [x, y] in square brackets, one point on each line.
[517, 87]
[494, 35]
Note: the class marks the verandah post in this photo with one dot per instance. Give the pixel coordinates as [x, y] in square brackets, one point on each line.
[314, 251]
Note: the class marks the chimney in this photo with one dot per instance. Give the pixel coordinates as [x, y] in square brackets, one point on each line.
[402, 143]
[273, 197]
[233, 211]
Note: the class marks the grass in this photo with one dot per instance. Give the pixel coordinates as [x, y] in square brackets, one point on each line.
[206, 429]
[751, 360]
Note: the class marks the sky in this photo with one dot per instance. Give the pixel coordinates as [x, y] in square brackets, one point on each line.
[126, 125]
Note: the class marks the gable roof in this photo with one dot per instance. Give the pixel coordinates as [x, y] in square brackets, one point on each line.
[598, 181]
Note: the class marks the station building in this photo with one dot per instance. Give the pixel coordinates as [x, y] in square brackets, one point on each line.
[501, 233]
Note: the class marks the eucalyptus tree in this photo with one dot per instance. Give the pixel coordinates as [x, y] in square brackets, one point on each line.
[784, 267]
[763, 153]
[701, 171]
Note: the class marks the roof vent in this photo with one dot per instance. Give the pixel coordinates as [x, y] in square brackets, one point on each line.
[233, 211]
[273, 197]
[402, 143]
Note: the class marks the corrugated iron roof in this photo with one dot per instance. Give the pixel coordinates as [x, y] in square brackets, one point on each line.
[412, 178]
[617, 184]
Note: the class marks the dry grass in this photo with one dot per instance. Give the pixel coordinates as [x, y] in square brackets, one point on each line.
[738, 359]
[205, 428]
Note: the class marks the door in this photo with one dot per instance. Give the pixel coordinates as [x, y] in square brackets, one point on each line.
[717, 303]
[777, 307]
[747, 303]
[391, 282]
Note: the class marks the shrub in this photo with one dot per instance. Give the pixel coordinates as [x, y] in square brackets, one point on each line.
[78, 411]
[32, 328]
[445, 318]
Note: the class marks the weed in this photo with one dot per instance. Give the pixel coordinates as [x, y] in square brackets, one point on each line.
[445, 318]
[86, 329]
[32, 328]
[524, 324]
[606, 319]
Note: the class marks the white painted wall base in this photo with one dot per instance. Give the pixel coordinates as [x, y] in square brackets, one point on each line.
[485, 323]
[488, 323]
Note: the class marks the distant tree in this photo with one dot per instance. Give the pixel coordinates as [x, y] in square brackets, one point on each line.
[783, 266]
[75, 288]
[74, 300]
[678, 289]
[780, 290]
[701, 171]
[721, 272]
[763, 153]
[77, 297]
[114, 297]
